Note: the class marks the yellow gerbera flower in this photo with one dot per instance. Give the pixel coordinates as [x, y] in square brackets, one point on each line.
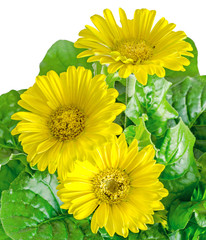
[67, 116]
[135, 47]
[119, 184]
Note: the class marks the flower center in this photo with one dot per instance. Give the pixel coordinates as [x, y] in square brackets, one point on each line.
[67, 122]
[111, 185]
[137, 51]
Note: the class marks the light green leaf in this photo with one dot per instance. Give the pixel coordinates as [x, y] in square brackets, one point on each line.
[8, 173]
[60, 56]
[180, 214]
[151, 99]
[31, 210]
[138, 132]
[3, 235]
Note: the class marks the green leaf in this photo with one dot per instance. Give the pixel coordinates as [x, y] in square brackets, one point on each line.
[60, 56]
[191, 70]
[8, 173]
[8, 143]
[181, 212]
[188, 97]
[8, 106]
[151, 99]
[202, 163]
[85, 227]
[154, 232]
[31, 210]
[199, 131]
[180, 175]
[199, 196]
[191, 232]
[176, 151]
[138, 132]
[3, 235]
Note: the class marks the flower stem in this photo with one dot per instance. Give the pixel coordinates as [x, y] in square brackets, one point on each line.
[131, 85]
[129, 92]
[126, 98]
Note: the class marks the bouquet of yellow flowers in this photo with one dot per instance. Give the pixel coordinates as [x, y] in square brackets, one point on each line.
[110, 141]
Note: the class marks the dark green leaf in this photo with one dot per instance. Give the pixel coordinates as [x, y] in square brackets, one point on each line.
[199, 196]
[191, 232]
[191, 70]
[176, 153]
[85, 227]
[8, 173]
[8, 106]
[181, 212]
[182, 187]
[154, 232]
[199, 131]
[188, 97]
[60, 56]
[202, 163]
[8, 143]
[151, 99]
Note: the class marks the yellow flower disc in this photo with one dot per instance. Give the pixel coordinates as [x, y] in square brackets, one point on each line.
[118, 184]
[135, 47]
[67, 116]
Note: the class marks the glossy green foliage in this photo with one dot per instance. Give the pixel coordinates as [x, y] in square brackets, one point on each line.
[151, 100]
[199, 131]
[139, 132]
[176, 153]
[8, 144]
[168, 112]
[189, 216]
[60, 56]
[31, 210]
[188, 97]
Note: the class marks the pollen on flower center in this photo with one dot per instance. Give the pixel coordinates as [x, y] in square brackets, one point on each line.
[111, 185]
[138, 51]
[66, 123]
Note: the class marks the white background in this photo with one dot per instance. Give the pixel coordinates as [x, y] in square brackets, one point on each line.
[28, 28]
